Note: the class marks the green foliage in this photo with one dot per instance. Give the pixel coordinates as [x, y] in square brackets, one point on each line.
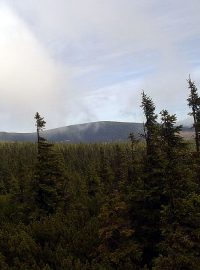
[194, 104]
[151, 126]
[180, 248]
[117, 247]
[40, 125]
[48, 187]
[105, 206]
[100, 208]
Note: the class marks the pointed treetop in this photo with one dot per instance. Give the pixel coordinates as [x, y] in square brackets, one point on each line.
[40, 123]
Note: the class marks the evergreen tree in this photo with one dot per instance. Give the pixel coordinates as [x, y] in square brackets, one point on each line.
[117, 249]
[180, 214]
[172, 147]
[40, 125]
[45, 192]
[151, 130]
[149, 194]
[105, 171]
[121, 167]
[133, 143]
[48, 188]
[94, 193]
[194, 104]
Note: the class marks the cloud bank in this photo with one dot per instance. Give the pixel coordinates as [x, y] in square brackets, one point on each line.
[77, 61]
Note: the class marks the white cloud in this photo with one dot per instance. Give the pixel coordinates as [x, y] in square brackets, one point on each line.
[105, 101]
[30, 79]
[62, 51]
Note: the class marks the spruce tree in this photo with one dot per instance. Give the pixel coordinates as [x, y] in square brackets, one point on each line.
[49, 177]
[172, 147]
[151, 126]
[117, 249]
[170, 132]
[149, 194]
[194, 104]
[180, 213]
[105, 171]
[133, 141]
[40, 125]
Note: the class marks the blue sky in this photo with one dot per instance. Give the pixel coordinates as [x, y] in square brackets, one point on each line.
[80, 61]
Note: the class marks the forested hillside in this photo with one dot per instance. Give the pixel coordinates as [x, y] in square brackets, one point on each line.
[103, 131]
[95, 132]
[123, 206]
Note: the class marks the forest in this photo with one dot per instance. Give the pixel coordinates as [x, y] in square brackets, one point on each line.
[132, 205]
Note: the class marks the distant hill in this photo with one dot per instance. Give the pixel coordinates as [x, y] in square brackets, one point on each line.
[104, 131]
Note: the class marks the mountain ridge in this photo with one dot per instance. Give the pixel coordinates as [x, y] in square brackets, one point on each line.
[100, 131]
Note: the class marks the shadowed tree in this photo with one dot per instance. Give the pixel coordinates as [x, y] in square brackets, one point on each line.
[40, 125]
[194, 104]
[49, 177]
[133, 141]
[180, 215]
[117, 249]
[148, 196]
[151, 125]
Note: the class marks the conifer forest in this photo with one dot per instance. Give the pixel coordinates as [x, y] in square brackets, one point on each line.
[108, 206]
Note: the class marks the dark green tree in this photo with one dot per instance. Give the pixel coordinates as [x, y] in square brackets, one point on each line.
[117, 249]
[133, 141]
[180, 214]
[194, 104]
[148, 196]
[170, 132]
[105, 171]
[40, 125]
[49, 179]
[151, 130]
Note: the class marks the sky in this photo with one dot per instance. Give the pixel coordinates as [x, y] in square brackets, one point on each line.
[78, 61]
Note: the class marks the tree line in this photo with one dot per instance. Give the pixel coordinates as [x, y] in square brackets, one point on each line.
[123, 206]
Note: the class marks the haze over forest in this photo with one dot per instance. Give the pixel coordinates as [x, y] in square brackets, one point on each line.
[85, 61]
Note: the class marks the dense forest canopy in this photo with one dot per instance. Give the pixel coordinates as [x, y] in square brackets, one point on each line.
[103, 206]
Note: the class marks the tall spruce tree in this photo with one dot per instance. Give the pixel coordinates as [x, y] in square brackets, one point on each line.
[151, 125]
[172, 147]
[194, 104]
[48, 188]
[40, 125]
[180, 214]
[149, 195]
[170, 134]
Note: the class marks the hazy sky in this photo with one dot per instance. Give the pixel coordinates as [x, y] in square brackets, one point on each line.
[78, 61]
